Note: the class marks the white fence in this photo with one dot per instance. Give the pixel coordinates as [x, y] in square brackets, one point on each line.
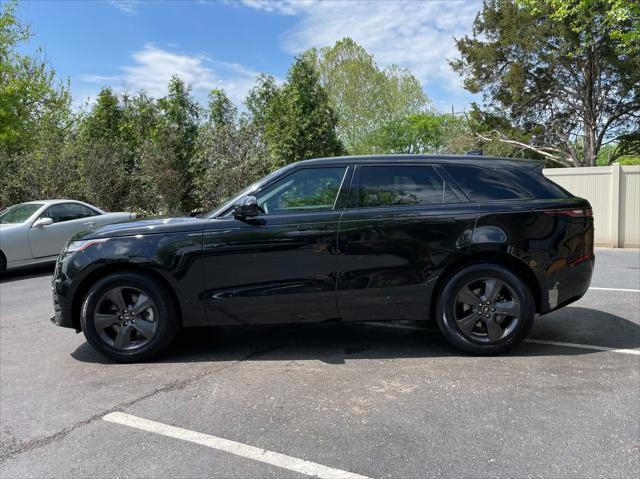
[614, 194]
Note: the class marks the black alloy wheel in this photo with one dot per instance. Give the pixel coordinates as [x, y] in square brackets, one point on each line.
[125, 318]
[129, 317]
[485, 309]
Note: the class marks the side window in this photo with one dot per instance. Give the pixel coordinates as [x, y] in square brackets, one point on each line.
[68, 212]
[402, 185]
[309, 189]
[480, 184]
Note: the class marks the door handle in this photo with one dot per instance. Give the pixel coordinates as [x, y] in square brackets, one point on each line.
[89, 223]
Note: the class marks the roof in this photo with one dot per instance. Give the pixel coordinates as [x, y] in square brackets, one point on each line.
[60, 200]
[474, 160]
[54, 201]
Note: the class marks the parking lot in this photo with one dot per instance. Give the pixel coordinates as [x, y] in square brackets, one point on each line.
[327, 400]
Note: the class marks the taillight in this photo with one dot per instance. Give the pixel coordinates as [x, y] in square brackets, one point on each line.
[578, 213]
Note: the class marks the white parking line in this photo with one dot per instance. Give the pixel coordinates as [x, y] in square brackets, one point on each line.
[584, 346]
[243, 450]
[616, 289]
[593, 347]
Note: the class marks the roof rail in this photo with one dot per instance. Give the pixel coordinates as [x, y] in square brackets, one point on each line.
[474, 153]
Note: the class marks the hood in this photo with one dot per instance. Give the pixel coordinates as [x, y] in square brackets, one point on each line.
[10, 226]
[144, 227]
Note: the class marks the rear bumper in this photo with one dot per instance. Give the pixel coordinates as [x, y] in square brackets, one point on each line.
[568, 284]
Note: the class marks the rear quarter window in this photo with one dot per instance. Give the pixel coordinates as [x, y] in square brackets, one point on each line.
[481, 184]
[537, 184]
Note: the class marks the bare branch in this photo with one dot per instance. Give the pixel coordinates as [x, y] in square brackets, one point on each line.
[548, 152]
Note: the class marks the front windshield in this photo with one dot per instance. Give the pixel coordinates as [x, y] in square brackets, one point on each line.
[19, 213]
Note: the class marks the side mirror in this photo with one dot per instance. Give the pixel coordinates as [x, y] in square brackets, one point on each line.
[41, 222]
[246, 207]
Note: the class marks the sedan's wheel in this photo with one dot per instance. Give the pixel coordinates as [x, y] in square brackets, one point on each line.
[485, 309]
[128, 317]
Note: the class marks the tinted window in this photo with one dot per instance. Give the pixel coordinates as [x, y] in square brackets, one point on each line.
[402, 185]
[480, 184]
[312, 189]
[68, 212]
[535, 183]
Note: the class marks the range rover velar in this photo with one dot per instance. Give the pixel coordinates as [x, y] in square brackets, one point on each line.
[481, 245]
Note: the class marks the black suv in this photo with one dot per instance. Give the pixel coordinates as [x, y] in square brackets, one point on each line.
[479, 244]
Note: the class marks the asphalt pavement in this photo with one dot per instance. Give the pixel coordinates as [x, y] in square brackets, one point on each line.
[330, 400]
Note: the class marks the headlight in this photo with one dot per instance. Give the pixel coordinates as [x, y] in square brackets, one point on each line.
[74, 246]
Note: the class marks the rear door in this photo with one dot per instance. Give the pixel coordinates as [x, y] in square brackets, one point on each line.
[68, 219]
[402, 225]
[280, 266]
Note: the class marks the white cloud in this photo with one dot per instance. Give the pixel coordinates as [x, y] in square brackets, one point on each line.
[130, 7]
[414, 34]
[153, 67]
[285, 7]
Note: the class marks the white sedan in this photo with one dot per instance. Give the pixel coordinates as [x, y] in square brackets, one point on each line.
[35, 232]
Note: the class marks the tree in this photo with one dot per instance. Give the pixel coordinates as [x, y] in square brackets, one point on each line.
[36, 119]
[429, 133]
[229, 158]
[568, 78]
[166, 158]
[222, 111]
[299, 121]
[617, 15]
[259, 100]
[230, 153]
[365, 97]
[30, 99]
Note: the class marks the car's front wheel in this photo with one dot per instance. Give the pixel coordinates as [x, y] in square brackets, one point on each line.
[485, 309]
[129, 317]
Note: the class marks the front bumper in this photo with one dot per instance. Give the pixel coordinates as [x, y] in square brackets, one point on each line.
[62, 315]
[62, 307]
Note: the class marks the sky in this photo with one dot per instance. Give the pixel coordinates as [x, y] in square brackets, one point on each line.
[140, 44]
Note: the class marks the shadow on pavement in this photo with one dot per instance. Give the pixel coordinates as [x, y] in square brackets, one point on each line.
[334, 343]
[27, 272]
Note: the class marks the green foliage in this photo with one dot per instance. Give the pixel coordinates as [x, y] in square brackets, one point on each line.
[166, 159]
[428, 133]
[299, 122]
[259, 100]
[620, 17]
[229, 156]
[30, 100]
[563, 74]
[365, 98]
[222, 111]
[36, 119]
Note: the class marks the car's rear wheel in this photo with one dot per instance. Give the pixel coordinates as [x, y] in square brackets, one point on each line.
[485, 309]
[129, 317]
[3, 263]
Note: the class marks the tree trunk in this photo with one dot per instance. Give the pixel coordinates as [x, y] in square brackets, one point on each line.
[590, 152]
[590, 149]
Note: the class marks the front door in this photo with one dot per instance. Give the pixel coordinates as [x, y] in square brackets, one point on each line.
[402, 224]
[280, 266]
[68, 219]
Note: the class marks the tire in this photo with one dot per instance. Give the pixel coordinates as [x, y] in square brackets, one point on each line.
[3, 263]
[132, 336]
[489, 326]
